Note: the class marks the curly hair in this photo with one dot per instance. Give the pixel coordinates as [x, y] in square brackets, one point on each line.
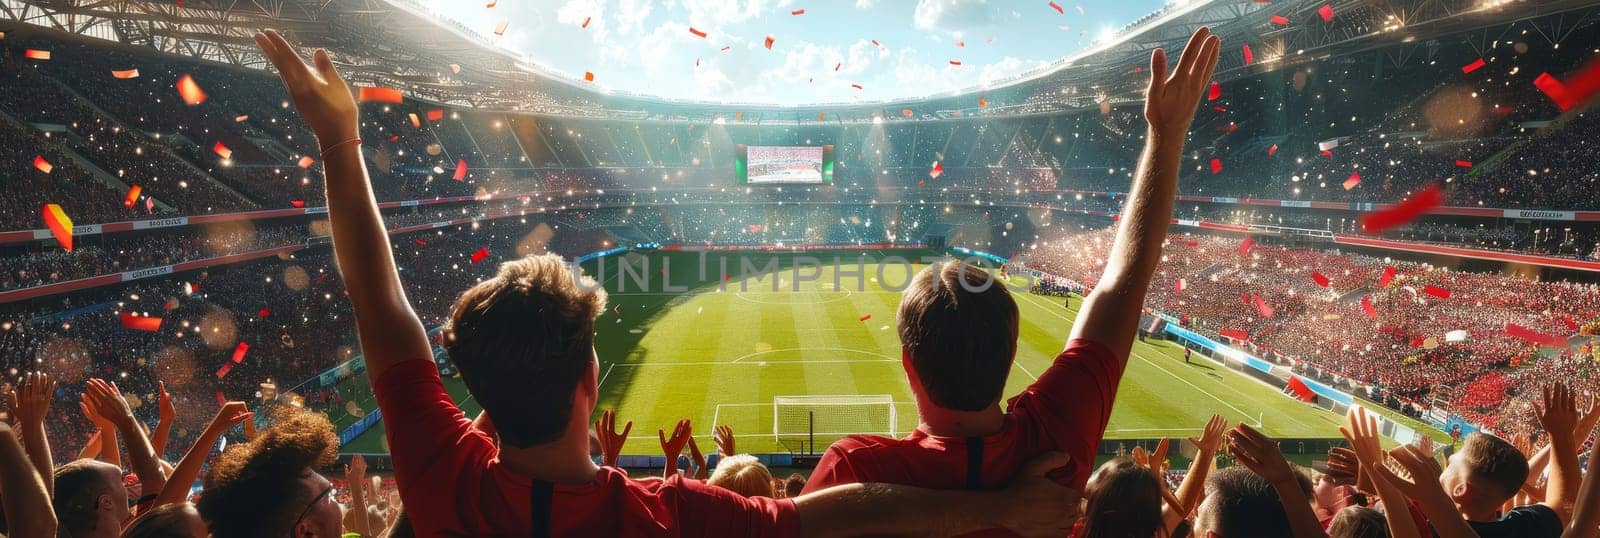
[253, 489]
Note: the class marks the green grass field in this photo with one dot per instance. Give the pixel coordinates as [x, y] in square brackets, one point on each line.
[722, 356]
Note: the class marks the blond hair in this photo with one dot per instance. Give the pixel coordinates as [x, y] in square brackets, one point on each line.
[743, 474]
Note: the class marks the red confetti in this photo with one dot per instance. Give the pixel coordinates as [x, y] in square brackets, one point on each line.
[588, 76]
[500, 27]
[483, 252]
[1388, 276]
[1280, 20]
[1180, 285]
[697, 32]
[394, 138]
[1272, 150]
[42, 165]
[190, 91]
[125, 73]
[1215, 92]
[1058, 9]
[1366, 306]
[1472, 66]
[837, 66]
[297, 204]
[37, 54]
[906, 112]
[955, 62]
[770, 41]
[726, 48]
[922, 182]
[380, 95]
[306, 162]
[1219, 108]
[491, 4]
[876, 44]
[983, 102]
[864, 317]
[420, 242]
[1320, 279]
[1436, 291]
[239, 351]
[1327, 153]
[1463, 164]
[221, 150]
[1326, 12]
[1405, 211]
[856, 86]
[264, 313]
[132, 197]
[1534, 337]
[798, 12]
[416, 123]
[937, 170]
[1249, 57]
[1352, 181]
[961, 44]
[1263, 308]
[140, 323]
[1216, 166]
[585, 24]
[436, 114]
[1246, 245]
[223, 371]
[461, 170]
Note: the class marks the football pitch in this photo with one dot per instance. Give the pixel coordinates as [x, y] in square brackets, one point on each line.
[707, 350]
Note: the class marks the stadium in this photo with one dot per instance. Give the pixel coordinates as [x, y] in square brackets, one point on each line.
[1374, 248]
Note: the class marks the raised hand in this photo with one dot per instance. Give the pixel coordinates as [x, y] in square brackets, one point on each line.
[1558, 409]
[1260, 454]
[168, 412]
[725, 444]
[1211, 439]
[230, 415]
[610, 441]
[356, 472]
[30, 400]
[107, 402]
[1343, 465]
[319, 93]
[1170, 101]
[673, 446]
[1361, 429]
[697, 461]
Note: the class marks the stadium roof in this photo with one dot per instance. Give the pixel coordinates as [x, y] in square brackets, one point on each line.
[397, 43]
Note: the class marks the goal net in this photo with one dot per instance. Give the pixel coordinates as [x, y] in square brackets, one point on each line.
[799, 417]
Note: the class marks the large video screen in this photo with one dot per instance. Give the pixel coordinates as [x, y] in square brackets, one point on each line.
[785, 165]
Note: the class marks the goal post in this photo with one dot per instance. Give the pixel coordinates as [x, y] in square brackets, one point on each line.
[804, 417]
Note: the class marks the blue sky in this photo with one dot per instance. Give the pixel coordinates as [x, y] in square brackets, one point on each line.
[645, 46]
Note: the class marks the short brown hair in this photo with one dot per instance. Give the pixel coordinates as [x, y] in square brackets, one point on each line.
[958, 323]
[522, 340]
[1496, 462]
[253, 489]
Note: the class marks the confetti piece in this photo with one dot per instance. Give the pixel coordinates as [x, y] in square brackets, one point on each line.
[42, 165]
[585, 24]
[1215, 92]
[906, 112]
[697, 32]
[955, 62]
[1534, 337]
[139, 323]
[922, 182]
[297, 204]
[1249, 57]
[1463, 164]
[1180, 285]
[837, 66]
[1327, 153]
[60, 225]
[149, 204]
[936, 171]
[132, 197]
[1058, 9]
[1401, 213]
[190, 91]
[1366, 306]
[436, 114]
[416, 123]
[241, 118]
[864, 317]
[1280, 20]
[36, 54]
[821, 116]
[1246, 245]
[264, 313]
[125, 73]
[770, 40]
[1272, 150]
[306, 162]
[588, 76]
[1329, 144]
[1320, 279]
[1555, 89]
[1388, 276]
[876, 44]
[380, 95]
[1436, 291]
[1216, 166]
[1465, 69]
[500, 27]
[798, 12]
[239, 351]
[221, 150]
[461, 170]
[726, 48]
[1352, 181]
[491, 4]
[739, 116]
[961, 44]
[394, 138]
[1326, 12]
[983, 102]
[455, 69]
[420, 242]
[856, 86]
[483, 252]
[1263, 308]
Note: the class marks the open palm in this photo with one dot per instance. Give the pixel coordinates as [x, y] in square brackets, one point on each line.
[319, 93]
[1171, 100]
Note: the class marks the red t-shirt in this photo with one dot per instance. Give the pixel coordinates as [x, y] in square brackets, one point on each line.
[1065, 410]
[452, 482]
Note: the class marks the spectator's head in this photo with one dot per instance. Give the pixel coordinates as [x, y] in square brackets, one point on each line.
[1358, 522]
[1485, 473]
[269, 487]
[89, 498]
[793, 485]
[524, 343]
[178, 520]
[1240, 504]
[958, 336]
[1122, 499]
[743, 474]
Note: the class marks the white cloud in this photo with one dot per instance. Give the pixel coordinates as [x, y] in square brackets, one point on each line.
[1006, 67]
[865, 4]
[631, 15]
[715, 13]
[952, 15]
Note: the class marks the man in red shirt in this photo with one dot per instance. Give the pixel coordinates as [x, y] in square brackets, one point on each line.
[958, 336]
[523, 342]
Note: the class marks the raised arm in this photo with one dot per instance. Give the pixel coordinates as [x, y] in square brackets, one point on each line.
[105, 430]
[610, 441]
[355, 474]
[22, 492]
[1361, 429]
[188, 469]
[1033, 505]
[1261, 454]
[1586, 518]
[387, 326]
[673, 446]
[158, 438]
[31, 403]
[1110, 315]
[1421, 485]
[1560, 416]
[109, 403]
[1192, 490]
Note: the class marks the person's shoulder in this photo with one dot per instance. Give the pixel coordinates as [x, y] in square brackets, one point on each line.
[1084, 347]
[865, 444]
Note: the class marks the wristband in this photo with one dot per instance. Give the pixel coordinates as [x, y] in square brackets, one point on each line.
[356, 141]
